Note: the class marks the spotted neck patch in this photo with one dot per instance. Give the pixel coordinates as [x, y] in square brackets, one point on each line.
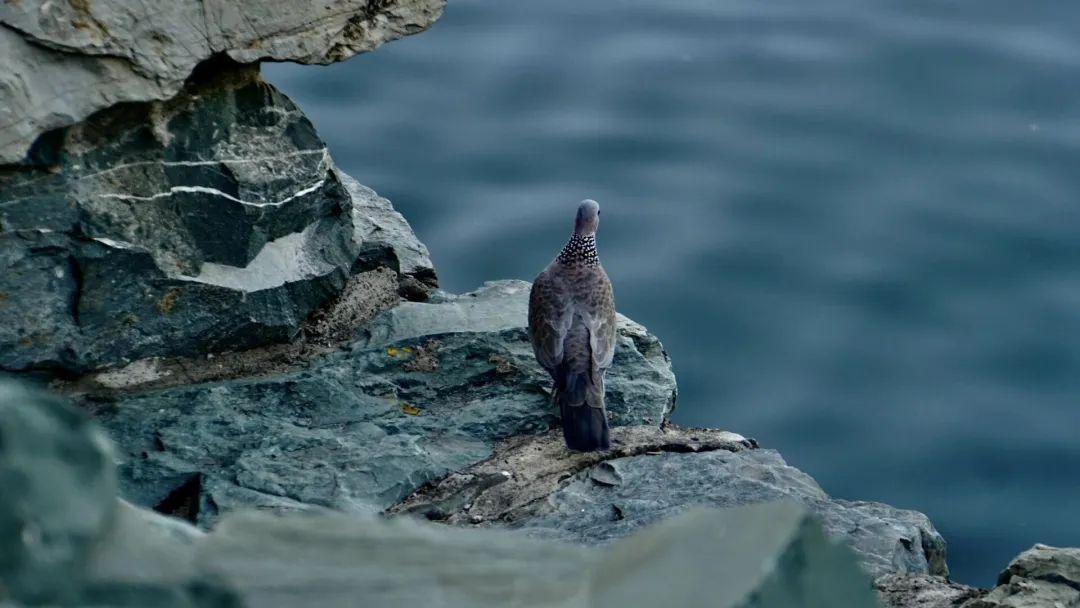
[580, 249]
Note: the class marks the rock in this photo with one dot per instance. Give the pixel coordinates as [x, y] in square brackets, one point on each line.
[1042, 562]
[112, 51]
[147, 559]
[142, 546]
[214, 221]
[379, 227]
[653, 474]
[67, 541]
[1041, 577]
[332, 560]
[765, 556]
[426, 389]
[525, 471]
[58, 486]
[922, 591]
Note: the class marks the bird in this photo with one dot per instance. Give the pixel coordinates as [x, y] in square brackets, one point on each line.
[572, 331]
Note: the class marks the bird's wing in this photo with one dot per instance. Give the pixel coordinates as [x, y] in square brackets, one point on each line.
[601, 322]
[550, 316]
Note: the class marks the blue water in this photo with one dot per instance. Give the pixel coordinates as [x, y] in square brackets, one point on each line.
[855, 224]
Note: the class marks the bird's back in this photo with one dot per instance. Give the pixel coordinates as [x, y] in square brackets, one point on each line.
[572, 330]
[571, 325]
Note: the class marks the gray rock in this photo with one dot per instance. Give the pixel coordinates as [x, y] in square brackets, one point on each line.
[1044, 562]
[922, 591]
[378, 225]
[652, 475]
[524, 471]
[142, 546]
[111, 51]
[426, 389]
[766, 556]
[58, 486]
[1041, 577]
[147, 559]
[214, 221]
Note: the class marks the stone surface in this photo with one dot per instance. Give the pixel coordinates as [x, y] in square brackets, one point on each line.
[764, 555]
[87, 549]
[110, 51]
[57, 487]
[530, 485]
[386, 236]
[146, 559]
[211, 222]
[767, 556]
[426, 388]
[1041, 577]
[922, 591]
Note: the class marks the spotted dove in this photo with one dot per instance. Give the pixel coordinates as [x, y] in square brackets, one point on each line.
[572, 329]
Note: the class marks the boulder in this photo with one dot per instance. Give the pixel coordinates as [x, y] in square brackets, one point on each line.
[58, 485]
[922, 591]
[65, 540]
[108, 52]
[534, 485]
[764, 556]
[1041, 577]
[424, 389]
[210, 222]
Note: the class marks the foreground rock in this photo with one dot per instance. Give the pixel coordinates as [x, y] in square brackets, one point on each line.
[72, 543]
[425, 389]
[214, 221]
[56, 495]
[149, 560]
[113, 51]
[535, 485]
[768, 556]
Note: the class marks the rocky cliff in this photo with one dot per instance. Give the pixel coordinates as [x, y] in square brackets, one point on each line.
[203, 213]
[259, 335]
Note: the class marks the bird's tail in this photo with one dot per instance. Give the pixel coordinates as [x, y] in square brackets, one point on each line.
[581, 406]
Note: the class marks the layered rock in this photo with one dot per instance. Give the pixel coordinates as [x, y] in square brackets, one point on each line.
[123, 556]
[425, 389]
[108, 52]
[213, 221]
[922, 591]
[535, 485]
[1042, 576]
[177, 246]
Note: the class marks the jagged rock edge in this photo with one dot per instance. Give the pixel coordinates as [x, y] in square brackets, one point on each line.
[582, 462]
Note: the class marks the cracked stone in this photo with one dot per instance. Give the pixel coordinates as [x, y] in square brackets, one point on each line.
[226, 237]
[653, 474]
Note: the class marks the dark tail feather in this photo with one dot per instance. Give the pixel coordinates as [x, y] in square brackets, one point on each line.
[585, 427]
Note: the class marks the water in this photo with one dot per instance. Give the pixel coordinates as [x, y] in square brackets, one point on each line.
[854, 224]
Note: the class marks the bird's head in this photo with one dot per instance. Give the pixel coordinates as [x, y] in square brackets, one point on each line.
[588, 218]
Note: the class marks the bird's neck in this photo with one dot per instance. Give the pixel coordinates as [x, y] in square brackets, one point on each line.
[580, 249]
